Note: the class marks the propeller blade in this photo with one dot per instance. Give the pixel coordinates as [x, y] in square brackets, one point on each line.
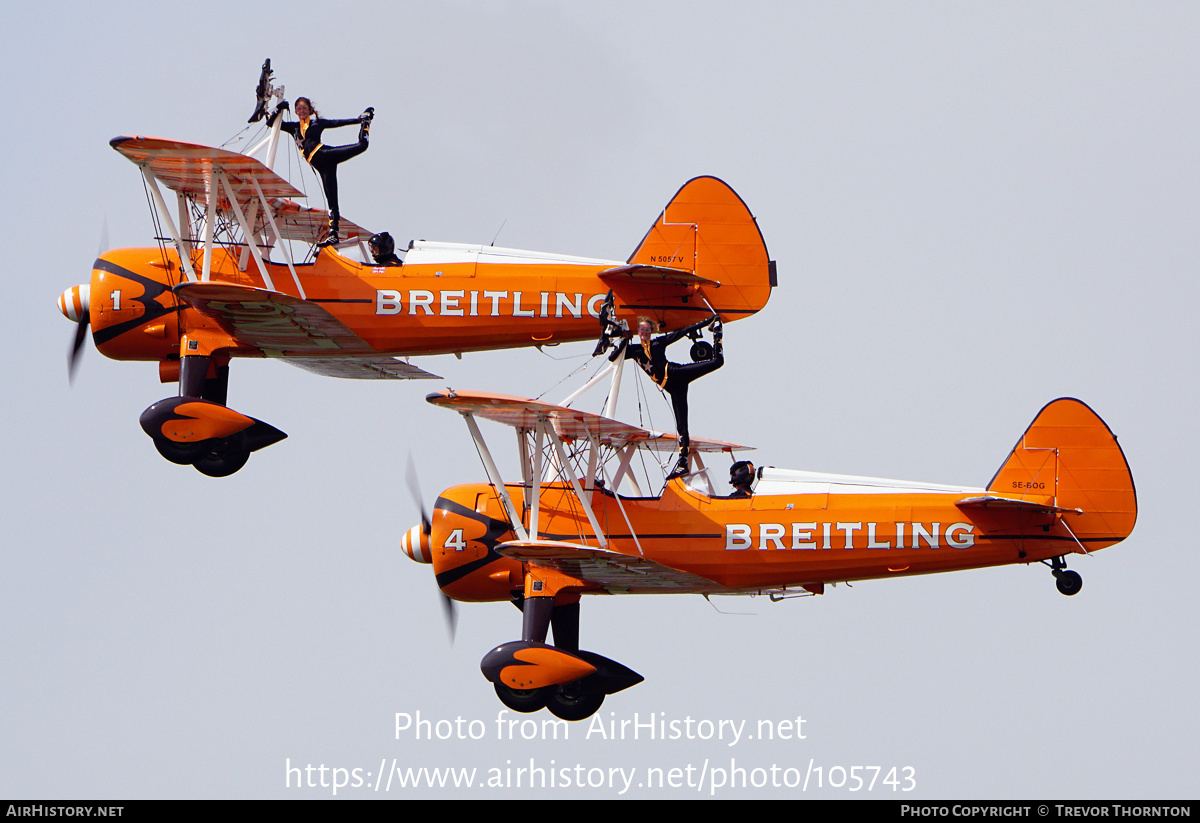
[414, 488]
[81, 324]
[450, 612]
[76, 348]
[103, 247]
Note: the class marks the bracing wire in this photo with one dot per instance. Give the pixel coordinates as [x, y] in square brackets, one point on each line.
[162, 245]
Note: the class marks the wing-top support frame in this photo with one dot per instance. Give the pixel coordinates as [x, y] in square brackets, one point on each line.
[226, 185]
[570, 439]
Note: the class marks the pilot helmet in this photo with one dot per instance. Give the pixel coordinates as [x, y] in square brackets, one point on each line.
[741, 473]
[382, 244]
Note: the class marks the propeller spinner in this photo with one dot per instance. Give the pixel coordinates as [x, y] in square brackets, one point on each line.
[75, 304]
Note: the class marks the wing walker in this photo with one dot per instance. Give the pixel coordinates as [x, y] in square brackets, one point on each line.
[598, 509]
[225, 282]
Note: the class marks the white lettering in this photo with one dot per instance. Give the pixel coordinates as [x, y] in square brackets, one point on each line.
[919, 532]
[419, 298]
[737, 536]
[803, 530]
[450, 300]
[387, 301]
[771, 532]
[871, 543]
[574, 306]
[964, 542]
[495, 296]
[848, 529]
[517, 310]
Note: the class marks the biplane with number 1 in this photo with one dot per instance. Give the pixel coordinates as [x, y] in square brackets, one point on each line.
[223, 283]
[580, 523]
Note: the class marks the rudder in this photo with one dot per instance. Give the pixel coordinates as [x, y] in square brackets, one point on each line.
[707, 229]
[1069, 454]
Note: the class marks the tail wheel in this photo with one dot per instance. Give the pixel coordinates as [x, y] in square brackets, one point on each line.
[572, 702]
[701, 350]
[1069, 582]
[524, 700]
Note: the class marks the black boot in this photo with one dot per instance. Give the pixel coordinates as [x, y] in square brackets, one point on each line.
[608, 325]
[680, 468]
[364, 131]
[332, 239]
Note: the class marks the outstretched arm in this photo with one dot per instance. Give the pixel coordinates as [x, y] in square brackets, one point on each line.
[289, 126]
[335, 124]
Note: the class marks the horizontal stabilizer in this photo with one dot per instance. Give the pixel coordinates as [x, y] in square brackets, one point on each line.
[1003, 503]
[652, 274]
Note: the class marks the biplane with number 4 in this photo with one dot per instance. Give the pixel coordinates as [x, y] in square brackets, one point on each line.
[223, 283]
[580, 522]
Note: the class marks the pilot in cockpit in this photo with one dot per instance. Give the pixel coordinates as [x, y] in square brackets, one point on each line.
[383, 249]
[741, 477]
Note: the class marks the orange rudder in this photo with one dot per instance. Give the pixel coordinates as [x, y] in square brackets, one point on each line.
[707, 229]
[1070, 455]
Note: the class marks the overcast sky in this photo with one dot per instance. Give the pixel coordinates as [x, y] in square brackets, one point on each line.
[975, 208]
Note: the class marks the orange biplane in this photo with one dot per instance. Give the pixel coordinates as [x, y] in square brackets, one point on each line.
[581, 523]
[225, 284]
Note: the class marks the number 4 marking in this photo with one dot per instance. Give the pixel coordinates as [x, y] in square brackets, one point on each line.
[455, 540]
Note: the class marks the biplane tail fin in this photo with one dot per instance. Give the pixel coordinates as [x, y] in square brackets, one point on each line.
[705, 238]
[1069, 458]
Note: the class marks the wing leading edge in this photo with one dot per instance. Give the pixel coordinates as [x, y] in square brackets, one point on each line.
[523, 413]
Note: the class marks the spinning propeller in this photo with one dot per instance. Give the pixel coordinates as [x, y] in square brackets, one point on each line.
[416, 541]
[75, 304]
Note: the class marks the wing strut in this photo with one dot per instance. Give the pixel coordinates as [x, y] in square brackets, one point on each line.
[623, 471]
[185, 257]
[246, 233]
[210, 219]
[494, 475]
[587, 506]
[539, 429]
[616, 368]
[287, 250]
[621, 506]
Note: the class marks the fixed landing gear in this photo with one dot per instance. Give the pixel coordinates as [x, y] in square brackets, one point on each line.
[221, 460]
[529, 675]
[525, 701]
[569, 701]
[181, 454]
[1067, 581]
[198, 429]
[574, 701]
